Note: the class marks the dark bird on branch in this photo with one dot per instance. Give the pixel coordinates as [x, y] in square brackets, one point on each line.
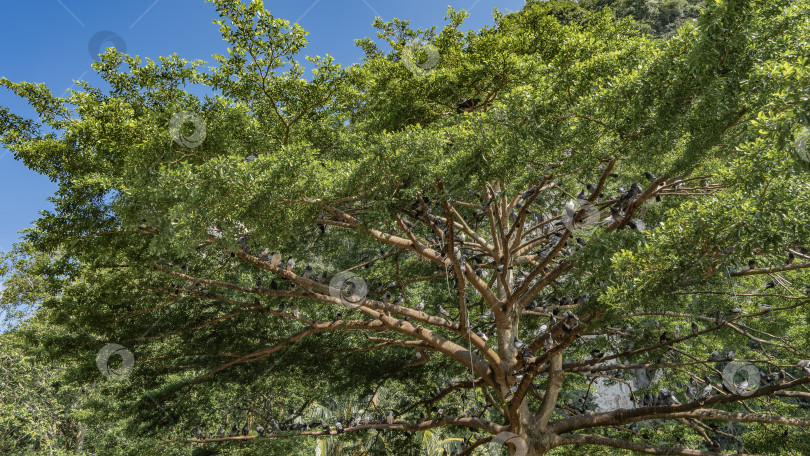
[528, 193]
[198, 433]
[260, 430]
[290, 264]
[234, 431]
[630, 195]
[615, 212]
[467, 105]
[245, 429]
[221, 432]
[570, 321]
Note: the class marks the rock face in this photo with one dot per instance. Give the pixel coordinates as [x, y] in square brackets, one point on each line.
[617, 395]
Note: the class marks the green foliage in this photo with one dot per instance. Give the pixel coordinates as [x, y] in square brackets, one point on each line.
[145, 245]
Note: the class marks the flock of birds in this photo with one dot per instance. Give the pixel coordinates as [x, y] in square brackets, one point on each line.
[551, 307]
[317, 425]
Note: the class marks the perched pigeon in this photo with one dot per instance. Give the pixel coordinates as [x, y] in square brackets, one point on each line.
[307, 272]
[444, 313]
[275, 259]
[294, 310]
[245, 429]
[234, 431]
[260, 430]
[290, 264]
[519, 345]
[198, 433]
[549, 343]
[420, 306]
[694, 328]
[707, 391]
[389, 417]
[763, 307]
[221, 432]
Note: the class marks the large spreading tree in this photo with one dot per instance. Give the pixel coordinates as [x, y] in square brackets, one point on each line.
[448, 245]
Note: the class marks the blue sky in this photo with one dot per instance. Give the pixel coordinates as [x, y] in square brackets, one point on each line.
[47, 41]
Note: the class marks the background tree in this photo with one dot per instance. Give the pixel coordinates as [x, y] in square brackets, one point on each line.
[474, 243]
